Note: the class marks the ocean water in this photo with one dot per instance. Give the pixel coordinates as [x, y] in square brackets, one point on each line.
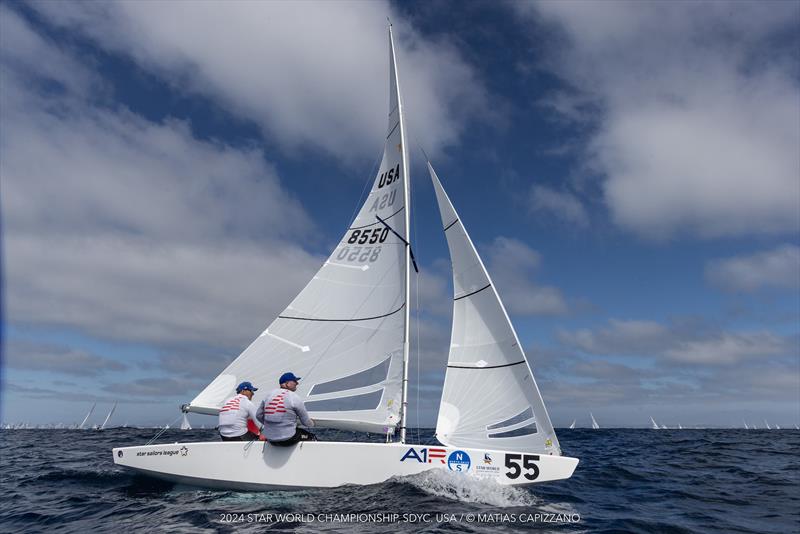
[670, 481]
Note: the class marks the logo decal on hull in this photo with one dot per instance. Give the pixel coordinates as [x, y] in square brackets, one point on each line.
[184, 451]
[425, 455]
[459, 461]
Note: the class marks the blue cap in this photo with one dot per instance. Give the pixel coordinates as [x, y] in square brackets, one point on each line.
[288, 377]
[245, 386]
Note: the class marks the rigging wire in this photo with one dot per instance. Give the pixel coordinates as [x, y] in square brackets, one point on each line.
[370, 179]
[417, 306]
[158, 434]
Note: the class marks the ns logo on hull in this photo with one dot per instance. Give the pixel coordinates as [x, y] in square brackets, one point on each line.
[456, 461]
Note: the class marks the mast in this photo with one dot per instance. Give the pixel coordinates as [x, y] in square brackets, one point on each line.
[404, 158]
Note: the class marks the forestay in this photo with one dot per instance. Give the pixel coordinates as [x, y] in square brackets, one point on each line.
[344, 333]
[490, 398]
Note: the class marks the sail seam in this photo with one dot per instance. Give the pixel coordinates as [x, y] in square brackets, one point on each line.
[393, 129]
[470, 294]
[451, 224]
[487, 367]
[342, 320]
[373, 224]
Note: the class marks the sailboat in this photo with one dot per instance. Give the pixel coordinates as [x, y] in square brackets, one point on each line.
[347, 335]
[767, 425]
[108, 417]
[88, 415]
[572, 425]
[745, 425]
[185, 423]
[595, 426]
[653, 424]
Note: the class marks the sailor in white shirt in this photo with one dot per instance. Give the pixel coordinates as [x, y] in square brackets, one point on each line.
[235, 412]
[279, 412]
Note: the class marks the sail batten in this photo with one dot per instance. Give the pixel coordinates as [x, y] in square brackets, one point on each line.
[488, 377]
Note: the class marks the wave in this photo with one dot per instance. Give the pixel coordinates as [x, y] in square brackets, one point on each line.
[458, 487]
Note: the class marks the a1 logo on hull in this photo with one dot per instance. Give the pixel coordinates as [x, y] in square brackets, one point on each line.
[456, 461]
[425, 455]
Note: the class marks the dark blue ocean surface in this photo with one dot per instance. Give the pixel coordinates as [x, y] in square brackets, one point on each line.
[628, 481]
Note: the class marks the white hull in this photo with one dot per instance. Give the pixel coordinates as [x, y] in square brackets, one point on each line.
[321, 464]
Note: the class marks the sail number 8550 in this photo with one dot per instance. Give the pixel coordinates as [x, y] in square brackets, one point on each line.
[362, 237]
[527, 463]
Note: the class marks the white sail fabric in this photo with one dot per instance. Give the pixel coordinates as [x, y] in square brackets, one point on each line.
[595, 426]
[88, 415]
[108, 417]
[185, 423]
[344, 333]
[490, 398]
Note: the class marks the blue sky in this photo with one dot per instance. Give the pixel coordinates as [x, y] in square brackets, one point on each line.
[173, 174]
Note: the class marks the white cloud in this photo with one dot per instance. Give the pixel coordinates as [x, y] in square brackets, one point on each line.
[48, 358]
[729, 348]
[562, 205]
[124, 228]
[678, 343]
[776, 268]
[620, 337]
[512, 264]
[309, 73]
[700, 121]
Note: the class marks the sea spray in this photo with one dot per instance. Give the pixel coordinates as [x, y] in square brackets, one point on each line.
[458, 487]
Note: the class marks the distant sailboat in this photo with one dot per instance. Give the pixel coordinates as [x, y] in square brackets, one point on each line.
[745, 425]
[664, 427]
[185, 423]
[91, 410]
[653, 423]
[777, 427]
[767, 425]
[680, 427]
[572, 425]
[110, 413]
[595, 426]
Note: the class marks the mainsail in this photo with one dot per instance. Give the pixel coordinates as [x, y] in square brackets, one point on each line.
[595, 426]
[653, 423]
[346, 333]
[490, 398]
